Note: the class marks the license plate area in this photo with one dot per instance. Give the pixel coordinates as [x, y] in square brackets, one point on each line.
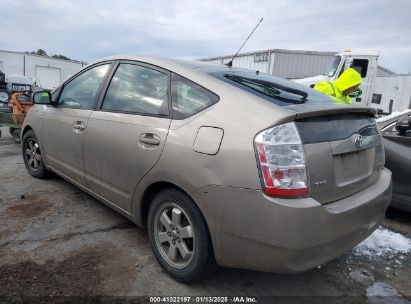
[352, 167]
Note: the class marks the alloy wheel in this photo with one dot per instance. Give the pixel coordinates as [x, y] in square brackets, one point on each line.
[174, 235]
[33, 155]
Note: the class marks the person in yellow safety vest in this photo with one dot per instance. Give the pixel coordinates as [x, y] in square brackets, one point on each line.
[348, 82]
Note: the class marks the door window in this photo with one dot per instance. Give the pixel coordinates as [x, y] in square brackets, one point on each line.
[137, 89]
[81, 92]
[361, 66]
[376, 98]
[189, 98]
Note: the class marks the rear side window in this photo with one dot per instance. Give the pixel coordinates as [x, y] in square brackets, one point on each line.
[188, 98]
[137, 89]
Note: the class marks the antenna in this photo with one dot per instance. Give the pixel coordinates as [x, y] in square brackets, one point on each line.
[230, 63]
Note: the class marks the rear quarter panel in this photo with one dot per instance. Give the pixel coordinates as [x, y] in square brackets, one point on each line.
[241, 116]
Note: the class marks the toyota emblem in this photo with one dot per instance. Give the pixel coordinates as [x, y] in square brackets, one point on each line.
[359, 141]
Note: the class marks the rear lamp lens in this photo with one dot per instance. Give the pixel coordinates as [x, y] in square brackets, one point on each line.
[282, 161]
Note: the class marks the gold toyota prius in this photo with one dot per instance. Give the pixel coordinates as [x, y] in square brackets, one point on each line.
[223, 166]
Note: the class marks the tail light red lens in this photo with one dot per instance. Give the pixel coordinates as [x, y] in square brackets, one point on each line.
[282, 161]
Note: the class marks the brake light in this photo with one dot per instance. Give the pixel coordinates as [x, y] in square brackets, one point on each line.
[282, 161]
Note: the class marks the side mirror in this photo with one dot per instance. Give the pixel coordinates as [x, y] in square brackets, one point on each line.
[42, 97]
[403, 125]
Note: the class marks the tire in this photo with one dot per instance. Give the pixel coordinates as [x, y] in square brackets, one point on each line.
[30, 146]
[17, 135]
[165, 210]
[4, 96]
[11, 129]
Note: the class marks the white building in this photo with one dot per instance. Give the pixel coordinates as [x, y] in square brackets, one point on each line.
[289, 64]
[47, 71]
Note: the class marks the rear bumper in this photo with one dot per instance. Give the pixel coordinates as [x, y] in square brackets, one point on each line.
[253, 231]
[401, 201]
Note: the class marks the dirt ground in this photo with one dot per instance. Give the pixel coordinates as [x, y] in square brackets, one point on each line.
[58, 242]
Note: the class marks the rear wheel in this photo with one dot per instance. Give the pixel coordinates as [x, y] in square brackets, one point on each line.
[32, 156]
[179, 236]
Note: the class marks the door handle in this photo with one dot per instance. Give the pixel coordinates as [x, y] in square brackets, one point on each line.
[78, 127]
[149, 139]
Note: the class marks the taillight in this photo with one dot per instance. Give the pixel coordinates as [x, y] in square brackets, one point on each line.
[282, 161]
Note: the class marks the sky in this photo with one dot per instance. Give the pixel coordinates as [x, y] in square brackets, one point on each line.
[91, 29]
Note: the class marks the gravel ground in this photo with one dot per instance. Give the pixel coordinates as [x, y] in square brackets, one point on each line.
[58, 242]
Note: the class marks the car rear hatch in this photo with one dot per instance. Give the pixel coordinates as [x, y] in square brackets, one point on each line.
[342, 147]
[326, 150]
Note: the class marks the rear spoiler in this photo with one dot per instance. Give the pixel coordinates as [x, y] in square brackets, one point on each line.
[301, 111]
[305, 110]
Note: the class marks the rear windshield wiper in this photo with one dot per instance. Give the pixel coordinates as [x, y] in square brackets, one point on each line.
[270, 89]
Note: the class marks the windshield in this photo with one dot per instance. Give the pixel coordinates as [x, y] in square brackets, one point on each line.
[333, 66]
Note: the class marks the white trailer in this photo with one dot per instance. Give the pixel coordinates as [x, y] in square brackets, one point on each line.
[392, 93]
[386, 92]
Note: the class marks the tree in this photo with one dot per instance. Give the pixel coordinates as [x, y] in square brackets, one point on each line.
[60, 57]
[41, 52]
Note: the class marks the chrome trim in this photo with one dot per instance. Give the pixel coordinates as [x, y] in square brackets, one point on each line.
[354, 143]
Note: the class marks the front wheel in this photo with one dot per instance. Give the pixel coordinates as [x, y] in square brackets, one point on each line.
[4, 96]
[179, 236]
[32, 156]
[17, 135]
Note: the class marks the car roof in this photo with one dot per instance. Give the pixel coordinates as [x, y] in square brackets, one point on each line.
[170, 63]
[216, 71]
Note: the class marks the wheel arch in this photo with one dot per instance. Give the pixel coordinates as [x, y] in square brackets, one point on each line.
[156, 187]
[150, 192]
[33, 127]
[25, 130]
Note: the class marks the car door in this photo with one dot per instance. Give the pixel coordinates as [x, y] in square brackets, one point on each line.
[66, 120]
[398, 159]
[126, 134]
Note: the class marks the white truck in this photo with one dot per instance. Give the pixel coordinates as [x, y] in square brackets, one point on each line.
[391, 92]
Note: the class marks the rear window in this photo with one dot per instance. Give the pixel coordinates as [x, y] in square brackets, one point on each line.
[273, 89]
[335, 127]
